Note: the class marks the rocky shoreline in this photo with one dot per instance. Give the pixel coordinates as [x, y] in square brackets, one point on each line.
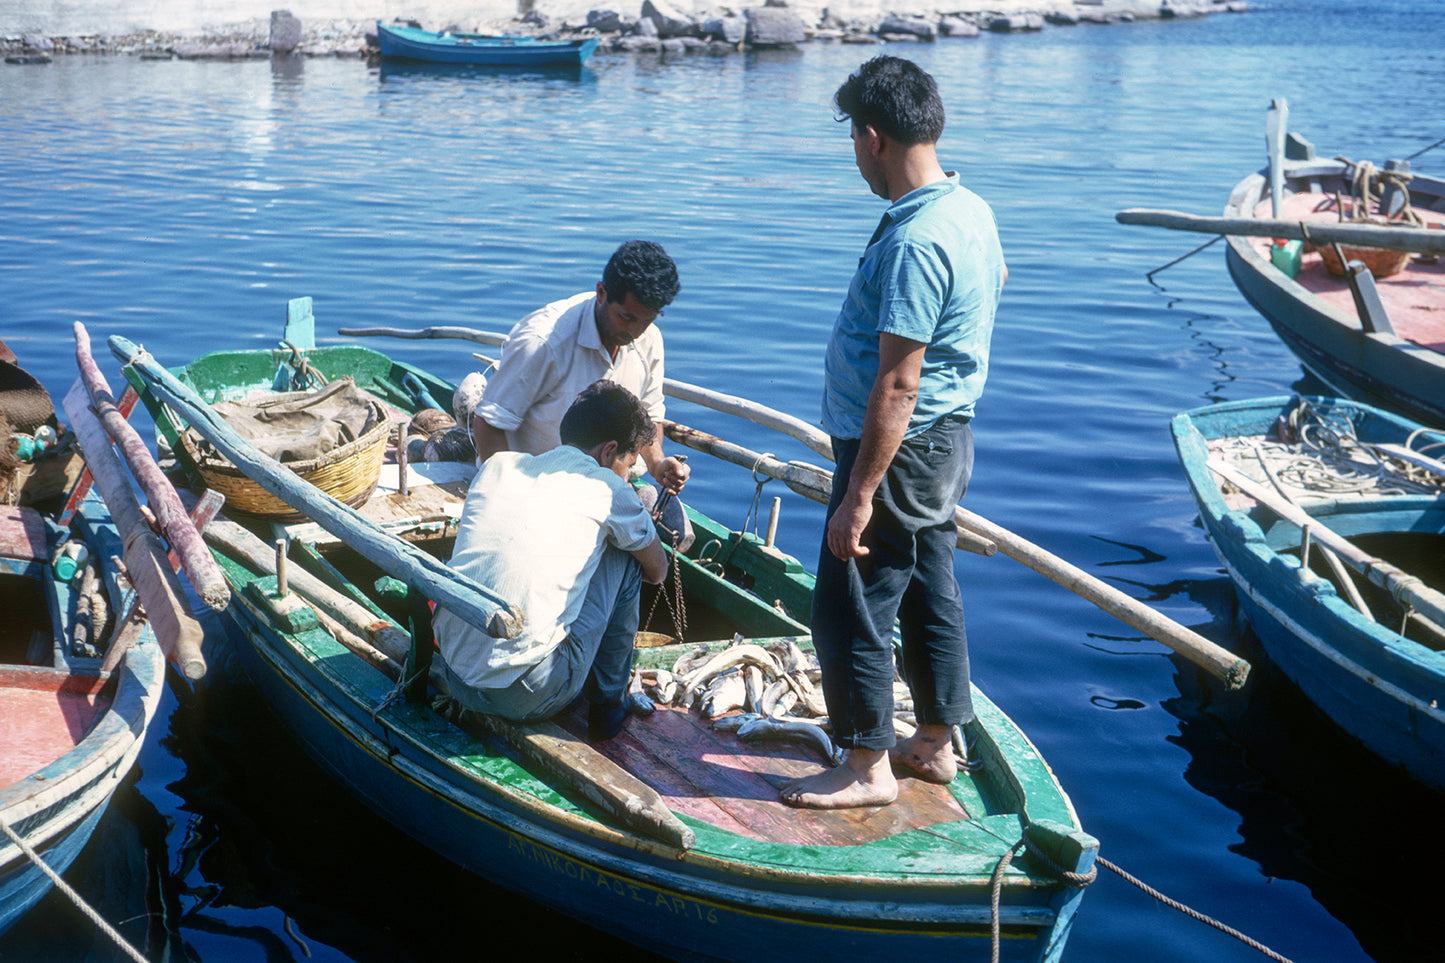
[656, 28]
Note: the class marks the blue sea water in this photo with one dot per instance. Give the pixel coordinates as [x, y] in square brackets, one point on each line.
[181, 204]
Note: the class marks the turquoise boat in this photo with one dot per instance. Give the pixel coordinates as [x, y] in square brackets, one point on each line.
[670, 836]
[70, 727]
[423, 46]
[1329, 516]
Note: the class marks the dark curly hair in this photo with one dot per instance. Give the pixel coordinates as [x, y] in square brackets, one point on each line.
[641, 268]
[605, 411]
[894, 96]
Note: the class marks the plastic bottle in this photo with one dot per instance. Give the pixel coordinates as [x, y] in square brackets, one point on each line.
[70, 559]
[1286, 255]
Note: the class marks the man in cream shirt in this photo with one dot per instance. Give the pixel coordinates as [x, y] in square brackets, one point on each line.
[556, 351]
[565, 537]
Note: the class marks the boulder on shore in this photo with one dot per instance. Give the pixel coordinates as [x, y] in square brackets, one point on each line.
[285, 31]
[774, 27]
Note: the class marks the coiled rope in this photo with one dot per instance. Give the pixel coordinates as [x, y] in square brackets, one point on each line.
[71, 894]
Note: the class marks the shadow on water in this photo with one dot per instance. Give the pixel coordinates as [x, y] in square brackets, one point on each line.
[1315, 807]
[269, 831]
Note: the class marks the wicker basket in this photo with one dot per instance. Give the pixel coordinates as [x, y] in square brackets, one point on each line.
[348, 473]
[1382, 263]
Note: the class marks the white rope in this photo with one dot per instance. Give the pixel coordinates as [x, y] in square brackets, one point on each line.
[74, 897]
[1327, 458]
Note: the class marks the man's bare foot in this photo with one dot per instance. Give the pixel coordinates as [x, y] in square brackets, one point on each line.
[927, 754]
[864, 779]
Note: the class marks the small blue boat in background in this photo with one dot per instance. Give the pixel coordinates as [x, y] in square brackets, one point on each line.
[1329, 515]
[424, 46]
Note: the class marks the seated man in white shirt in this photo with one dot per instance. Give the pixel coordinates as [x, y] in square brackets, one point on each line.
[564, 536]
[556, 351]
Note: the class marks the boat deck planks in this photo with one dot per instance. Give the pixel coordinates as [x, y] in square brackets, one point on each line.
[718, 779]
[1414, 298]
[44, 713]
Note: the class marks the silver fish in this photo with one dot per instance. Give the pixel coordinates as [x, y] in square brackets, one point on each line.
[731, 723]
[760, 730]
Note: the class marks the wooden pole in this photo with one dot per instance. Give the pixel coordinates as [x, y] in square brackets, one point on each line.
[180, 531]
[1403, 586]
[1416, 240]
[1276, 124]
[470, 600]
[145, 558]
[231, 539]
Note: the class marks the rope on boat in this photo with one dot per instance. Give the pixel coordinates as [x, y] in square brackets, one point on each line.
[71, 894]
[1426, 150]
[1183, 257]
[1077, 880]
[1190, 912]
[1319, 452]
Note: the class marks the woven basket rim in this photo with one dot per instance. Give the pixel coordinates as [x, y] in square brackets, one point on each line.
[366, 441]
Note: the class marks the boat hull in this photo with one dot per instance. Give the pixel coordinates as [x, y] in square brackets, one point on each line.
[1377, 686]
[420, 46]
[1376, 367]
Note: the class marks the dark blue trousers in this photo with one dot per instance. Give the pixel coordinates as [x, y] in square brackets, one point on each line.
[908, 577]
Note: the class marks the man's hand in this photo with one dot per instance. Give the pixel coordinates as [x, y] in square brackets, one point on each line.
[845, 529]
[672, 473]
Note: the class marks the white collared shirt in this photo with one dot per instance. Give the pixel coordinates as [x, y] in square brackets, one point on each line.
[550, 356]
[533, 529]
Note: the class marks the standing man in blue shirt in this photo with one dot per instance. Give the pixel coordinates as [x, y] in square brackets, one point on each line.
[904, 366]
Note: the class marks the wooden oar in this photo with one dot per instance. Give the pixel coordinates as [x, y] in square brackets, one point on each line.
[1416, 240]
[475, 603]
[145, 558]
[1404, 587]
[180, 531]
[981, 535]
[808, 480]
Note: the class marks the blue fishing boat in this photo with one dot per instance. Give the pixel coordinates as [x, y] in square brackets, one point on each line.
[1329, 515]
[72, 721]
[424, 46]
[672, 835]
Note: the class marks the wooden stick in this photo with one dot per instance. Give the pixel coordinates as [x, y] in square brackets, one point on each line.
[1403, 586]
[470, 600]
[180, 531]
[145, 558]
[247, 548]
[1416, 240]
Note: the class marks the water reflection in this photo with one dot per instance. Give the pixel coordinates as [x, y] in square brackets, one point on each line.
[1314, 806]
[405, 72]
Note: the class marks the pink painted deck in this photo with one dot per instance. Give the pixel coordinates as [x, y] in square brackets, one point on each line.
[1414, 298]
[44, 713]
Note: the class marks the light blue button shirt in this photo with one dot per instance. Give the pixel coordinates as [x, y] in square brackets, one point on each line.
[933, 274]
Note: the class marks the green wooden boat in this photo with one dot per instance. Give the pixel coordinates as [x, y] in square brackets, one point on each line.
[671, 835]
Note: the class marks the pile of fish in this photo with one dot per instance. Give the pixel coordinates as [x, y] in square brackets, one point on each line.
[775, 685]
